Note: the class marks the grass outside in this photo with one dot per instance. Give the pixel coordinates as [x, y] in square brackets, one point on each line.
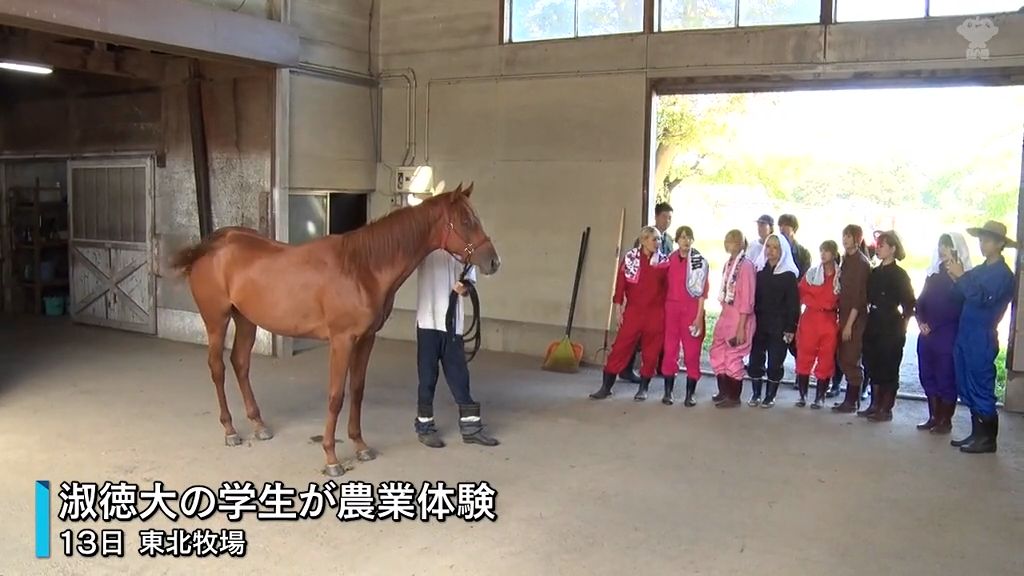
[712, 318]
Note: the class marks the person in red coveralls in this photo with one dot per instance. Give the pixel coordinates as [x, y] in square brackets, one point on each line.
[641, 283]
[817, 335]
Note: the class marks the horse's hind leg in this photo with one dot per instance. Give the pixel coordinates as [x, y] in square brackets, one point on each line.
[241, 358]
[360, 360]
[216, 331]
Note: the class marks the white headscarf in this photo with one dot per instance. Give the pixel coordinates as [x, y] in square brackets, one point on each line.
[960, 245]
[786, 263]
[816, 276]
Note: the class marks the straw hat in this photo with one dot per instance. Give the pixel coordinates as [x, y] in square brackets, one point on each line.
[993, 228]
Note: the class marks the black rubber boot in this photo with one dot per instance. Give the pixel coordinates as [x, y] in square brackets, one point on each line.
[721, 389]
[769, 397]
[472, 427]
[606, 387]
[641, 393]
[755, 399]
[426, 431]
[803, 384]
[820, 393]
[876, 396]
[691, 389]
[970, 437]
[834, 385]
[629, 373]
[670, 383]
[985, 441]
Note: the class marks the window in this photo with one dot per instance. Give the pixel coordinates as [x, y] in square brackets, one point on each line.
[865, 10]
[704, 14]
[528, 20]
[972, 7]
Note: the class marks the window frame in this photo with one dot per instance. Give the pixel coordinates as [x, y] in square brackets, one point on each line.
[652, 21]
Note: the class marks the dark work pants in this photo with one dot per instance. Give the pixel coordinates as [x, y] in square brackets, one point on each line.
[768, 344]
[433, 346]
[884, 340]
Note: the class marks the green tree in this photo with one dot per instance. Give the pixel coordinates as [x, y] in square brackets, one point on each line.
[690, 131]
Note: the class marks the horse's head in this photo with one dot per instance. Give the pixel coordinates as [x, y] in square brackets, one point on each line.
[464, 235]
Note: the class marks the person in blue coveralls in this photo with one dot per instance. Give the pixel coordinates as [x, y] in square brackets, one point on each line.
[987, 290]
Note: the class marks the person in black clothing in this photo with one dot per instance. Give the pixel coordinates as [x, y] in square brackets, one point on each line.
[788, 225]
[777, 310]
[891, 302]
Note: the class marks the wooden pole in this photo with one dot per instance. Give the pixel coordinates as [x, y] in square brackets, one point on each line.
[200, 161]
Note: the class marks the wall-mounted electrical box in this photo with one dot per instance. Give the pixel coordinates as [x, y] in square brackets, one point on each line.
[413, 179]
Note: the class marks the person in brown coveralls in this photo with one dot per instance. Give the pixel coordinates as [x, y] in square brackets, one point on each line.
[853, 301]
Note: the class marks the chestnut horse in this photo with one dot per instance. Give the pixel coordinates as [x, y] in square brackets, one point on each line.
[339, 288]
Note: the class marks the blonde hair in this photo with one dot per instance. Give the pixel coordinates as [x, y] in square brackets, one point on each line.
[736, 236]
[649, 232]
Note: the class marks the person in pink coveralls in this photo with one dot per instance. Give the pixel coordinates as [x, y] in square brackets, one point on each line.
[734, 330]
[684, 314]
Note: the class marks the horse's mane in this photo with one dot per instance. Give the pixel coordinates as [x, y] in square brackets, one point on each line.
[394, 236]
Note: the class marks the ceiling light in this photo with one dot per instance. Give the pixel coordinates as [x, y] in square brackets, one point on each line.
[25, 67]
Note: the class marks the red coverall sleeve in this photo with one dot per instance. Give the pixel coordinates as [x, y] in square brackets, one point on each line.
[620, 284]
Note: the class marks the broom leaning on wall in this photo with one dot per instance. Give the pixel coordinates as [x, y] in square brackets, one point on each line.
[565, 355]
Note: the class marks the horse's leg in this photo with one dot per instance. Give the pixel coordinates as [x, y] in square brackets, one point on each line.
[341, 352]
[357, 380]
[241, 358]
[216, 330]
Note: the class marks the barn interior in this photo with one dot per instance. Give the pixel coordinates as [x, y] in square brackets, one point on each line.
[156, 122]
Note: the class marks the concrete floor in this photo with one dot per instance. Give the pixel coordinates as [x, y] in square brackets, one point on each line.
[584, 487]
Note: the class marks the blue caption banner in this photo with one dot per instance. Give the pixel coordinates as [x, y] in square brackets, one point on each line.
[42, 518]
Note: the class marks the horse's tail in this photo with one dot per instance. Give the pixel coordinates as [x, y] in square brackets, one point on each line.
[183, 259]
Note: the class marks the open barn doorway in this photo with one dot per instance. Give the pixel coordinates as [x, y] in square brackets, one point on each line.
[921, 161]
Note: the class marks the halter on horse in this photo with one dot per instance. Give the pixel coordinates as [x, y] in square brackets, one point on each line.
[346, 286]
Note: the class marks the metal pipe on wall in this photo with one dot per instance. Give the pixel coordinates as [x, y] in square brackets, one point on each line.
[410, 114]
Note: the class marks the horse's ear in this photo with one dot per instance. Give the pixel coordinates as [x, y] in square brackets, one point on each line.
[468, 190]
[457, 192]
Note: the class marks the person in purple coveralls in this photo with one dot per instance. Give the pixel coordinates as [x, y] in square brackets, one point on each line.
[938, 316]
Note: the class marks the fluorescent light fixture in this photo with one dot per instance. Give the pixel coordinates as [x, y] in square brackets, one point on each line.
[414, 200]
[25, 67]
[421, 180]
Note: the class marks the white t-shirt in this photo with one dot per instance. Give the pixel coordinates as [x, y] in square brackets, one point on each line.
[754, 250]
[435, 279]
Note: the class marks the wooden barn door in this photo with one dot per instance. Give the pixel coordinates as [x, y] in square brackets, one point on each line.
[112, 282]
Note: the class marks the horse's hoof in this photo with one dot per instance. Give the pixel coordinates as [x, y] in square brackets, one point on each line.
[334, 470]
[365, 455]
[264, 434]
[232, 440]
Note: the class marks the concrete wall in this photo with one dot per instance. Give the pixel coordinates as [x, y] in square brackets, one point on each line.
[331, 120]
[553, 132]
[238, 106]
[239, 114]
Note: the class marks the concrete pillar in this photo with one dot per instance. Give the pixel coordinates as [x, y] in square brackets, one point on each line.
[1014, 401]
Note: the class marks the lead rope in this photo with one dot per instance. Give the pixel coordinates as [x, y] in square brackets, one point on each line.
[472, 333]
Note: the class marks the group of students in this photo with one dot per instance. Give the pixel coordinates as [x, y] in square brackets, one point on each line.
[841, 315]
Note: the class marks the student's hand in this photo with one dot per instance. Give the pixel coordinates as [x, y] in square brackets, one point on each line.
[925, 329]
[847, 334]
[787, 337]
[618, 314]
[955, 269]
[741, 337]
[459, 288]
